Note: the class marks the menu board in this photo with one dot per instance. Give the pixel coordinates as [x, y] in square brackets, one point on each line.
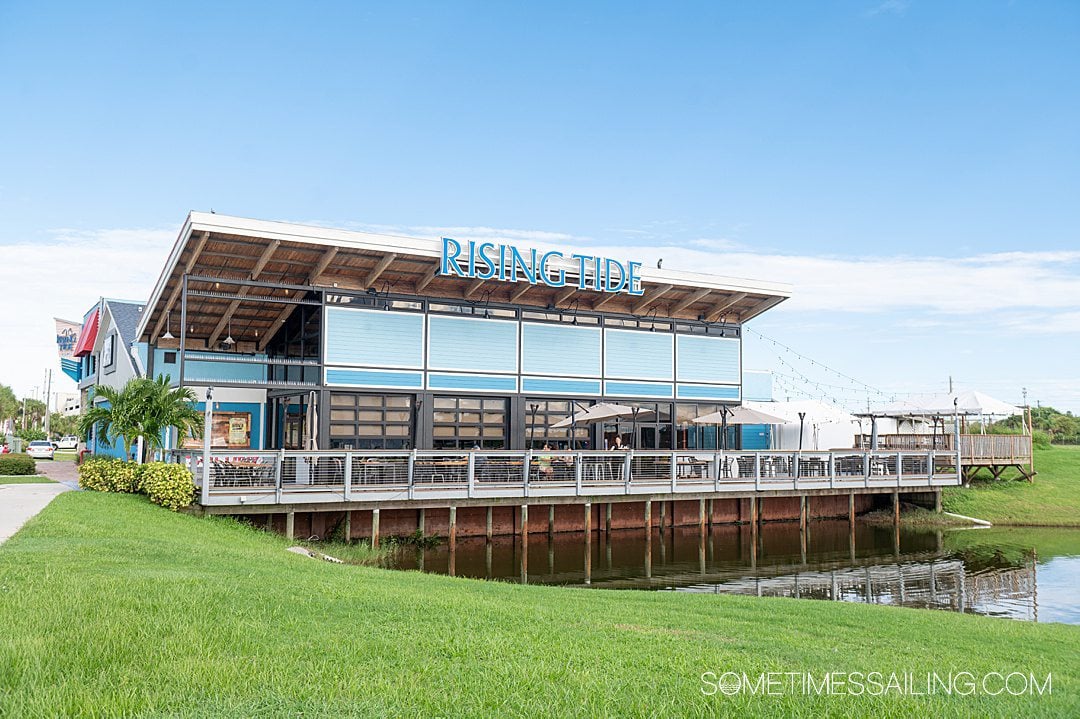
[230, 430]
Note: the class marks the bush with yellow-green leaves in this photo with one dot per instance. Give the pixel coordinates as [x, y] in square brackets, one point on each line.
[107, 474]
[170, 485]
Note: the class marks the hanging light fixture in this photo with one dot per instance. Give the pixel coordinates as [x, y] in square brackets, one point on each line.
[168, 327]
[229, 338]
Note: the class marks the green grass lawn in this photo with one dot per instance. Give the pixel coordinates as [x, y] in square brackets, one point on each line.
[24, 479]
[112, 606]
[1053, 500]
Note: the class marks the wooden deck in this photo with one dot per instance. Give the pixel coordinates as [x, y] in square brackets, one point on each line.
[996, 452]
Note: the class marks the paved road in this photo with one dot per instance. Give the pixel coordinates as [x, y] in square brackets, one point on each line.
[20, 502]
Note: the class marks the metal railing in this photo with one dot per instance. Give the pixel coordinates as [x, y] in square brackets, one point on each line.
[276, 477]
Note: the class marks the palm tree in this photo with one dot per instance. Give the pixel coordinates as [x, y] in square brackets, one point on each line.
[164, 407]
[116, 416]
[144, 407]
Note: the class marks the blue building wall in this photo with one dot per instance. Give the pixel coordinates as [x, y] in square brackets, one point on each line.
[196, 371]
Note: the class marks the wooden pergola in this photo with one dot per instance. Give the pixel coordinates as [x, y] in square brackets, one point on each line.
[245, 278]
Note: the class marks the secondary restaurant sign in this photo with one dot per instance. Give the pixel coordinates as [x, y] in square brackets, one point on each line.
[506, 263]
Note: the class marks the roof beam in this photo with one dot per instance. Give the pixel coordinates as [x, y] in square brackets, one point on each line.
[427, 279]
[565, 295]
[718, 309]
[286, 312]
[520, 292]
[374, 275]
[260, 265]
[760, 307]
[686, 302]
[653, 296]
[610, 296]
[473, 288]
[188, 267]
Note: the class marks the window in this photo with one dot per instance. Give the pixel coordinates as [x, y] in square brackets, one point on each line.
[701, 436]
[541, 415]
[474, 309]
[370, 421]
[168, 358]
[570, 317]
[467, 422]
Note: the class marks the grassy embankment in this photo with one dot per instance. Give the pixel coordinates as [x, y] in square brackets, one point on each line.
[1052, 500]
[113, 606]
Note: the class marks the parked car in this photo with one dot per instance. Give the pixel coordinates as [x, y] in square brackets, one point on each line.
[68, 441]
[40, 450]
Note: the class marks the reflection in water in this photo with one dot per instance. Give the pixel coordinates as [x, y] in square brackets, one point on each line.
[978, 571]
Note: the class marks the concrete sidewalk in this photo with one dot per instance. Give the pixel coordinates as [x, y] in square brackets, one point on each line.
[20, 502]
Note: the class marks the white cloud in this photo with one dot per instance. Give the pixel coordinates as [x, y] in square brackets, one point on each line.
[63, 276]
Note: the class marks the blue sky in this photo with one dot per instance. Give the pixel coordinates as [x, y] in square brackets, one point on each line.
[911, 167]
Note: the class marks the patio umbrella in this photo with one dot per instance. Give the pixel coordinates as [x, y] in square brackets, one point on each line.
[740, 414]
[596, 413]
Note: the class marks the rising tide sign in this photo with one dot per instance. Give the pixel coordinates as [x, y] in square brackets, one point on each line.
[506, 263]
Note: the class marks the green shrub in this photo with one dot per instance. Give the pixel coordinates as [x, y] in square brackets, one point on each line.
[17, 464]
[170, 485]
[1040, 439]
[106, 474]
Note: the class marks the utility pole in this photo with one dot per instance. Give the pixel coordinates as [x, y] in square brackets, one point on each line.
[48, 399]
[950, 384]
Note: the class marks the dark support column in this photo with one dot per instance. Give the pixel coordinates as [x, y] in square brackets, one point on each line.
[607, 519]
[270, 522]
[710, 512]
[551, 520]
[663, 514]
[375, 528]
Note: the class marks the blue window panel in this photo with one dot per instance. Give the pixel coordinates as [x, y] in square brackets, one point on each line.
[472, 345]
[755, 436]
[374, 338]
[480, 383]
[560, 350]
[631, 354]
[637, 389]
[374, 378]
[551, 385]
[699, 391]
[195, 371]
[758, 386]
[707, 359]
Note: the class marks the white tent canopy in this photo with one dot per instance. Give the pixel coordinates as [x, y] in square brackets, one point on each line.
[816, 412]
[969, 403]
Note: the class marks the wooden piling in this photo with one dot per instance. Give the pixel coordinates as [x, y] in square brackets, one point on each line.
[524, 522]
[375, 528]
[648, 517]
[896, 506]
[701, 519]
[802, 514]
[551, 520]
[663, 514]
[710, 513]
[851, 510]
[348, 527]
[487, 532]
[607, 519]
[453, 528]
[588, 521]
[290, 525]
[420, 522]
[270, 522]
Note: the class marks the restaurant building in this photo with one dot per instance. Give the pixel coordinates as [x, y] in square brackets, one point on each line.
[320, 338]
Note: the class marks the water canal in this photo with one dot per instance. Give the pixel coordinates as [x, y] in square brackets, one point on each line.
[1020, 573]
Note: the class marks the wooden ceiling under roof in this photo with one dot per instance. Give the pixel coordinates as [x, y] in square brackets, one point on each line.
[251, 313]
